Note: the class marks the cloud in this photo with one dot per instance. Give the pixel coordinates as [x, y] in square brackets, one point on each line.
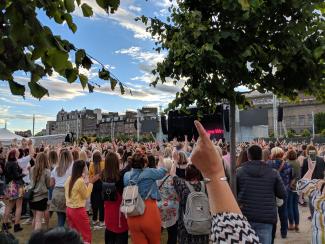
[122, 16]
[59, 90]
[151, 58]
[135, 8]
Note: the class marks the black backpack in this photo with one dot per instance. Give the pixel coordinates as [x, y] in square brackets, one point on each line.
[109, 191]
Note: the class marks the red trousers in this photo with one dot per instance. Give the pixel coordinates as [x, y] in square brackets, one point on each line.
[146, 229]
[79, 220]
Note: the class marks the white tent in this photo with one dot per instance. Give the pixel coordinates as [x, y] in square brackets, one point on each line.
[6, 136]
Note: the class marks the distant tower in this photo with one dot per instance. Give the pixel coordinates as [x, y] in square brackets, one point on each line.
[5, 124]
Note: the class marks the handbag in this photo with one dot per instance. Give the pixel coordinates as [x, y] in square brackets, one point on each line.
[29, 194]
[109, 191]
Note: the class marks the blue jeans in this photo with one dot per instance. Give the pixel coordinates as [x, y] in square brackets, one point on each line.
[283, 216]
[61, 219]
[293, 212]
[263, 231]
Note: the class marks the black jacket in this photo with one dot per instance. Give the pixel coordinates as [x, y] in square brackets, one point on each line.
[13, 173]
[258, 185]
[318, 171]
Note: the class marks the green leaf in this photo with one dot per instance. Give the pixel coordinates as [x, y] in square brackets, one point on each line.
[71, 75]
[318, 52]
[37, 90]
[86, 62]
[68, 19]
[83, 80]
[122, 90]
[244, 4]
[104, 74]
[69, 5]
[16, 88]
[102, 3]
[79, 56]
[113, 83]
[86, 10]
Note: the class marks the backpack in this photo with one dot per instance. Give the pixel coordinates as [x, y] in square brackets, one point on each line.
[132, 202]
[197, 217]
[109, 191]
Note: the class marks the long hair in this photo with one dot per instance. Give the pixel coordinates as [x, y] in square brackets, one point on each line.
[53, 158]
[97, 158]
[12, 155]
[111, 171]
[41, 164]
[77, 170]
[182, 158]
[64, 162]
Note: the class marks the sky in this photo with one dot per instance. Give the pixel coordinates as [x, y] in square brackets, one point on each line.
[116, 40]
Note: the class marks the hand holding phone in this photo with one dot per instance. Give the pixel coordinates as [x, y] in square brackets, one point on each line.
[312, 155]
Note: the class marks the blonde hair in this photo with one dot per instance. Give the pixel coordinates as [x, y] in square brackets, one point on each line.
[277, 153]
[83, 156]
[64, 162]
[168, 152]
[168, 164]
[41, 164]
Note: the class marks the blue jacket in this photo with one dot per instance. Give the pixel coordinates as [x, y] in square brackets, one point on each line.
[145, 179]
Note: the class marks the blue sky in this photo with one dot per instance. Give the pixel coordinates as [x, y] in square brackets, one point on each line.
[117, 41]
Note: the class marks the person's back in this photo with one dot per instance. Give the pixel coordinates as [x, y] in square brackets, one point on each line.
[258, 185]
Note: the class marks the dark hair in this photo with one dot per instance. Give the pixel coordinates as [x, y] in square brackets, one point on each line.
[151, 161]
[292, 155]
[304, 147]
[77, 170]
[254, 152]
[57, 235]
[192, 173]
[21, 153]
[12, 155]
[97, 157]
[26, 152]
[111, 171]
[138, 161]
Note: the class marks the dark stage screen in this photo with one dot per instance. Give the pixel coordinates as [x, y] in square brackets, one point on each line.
[181, 124]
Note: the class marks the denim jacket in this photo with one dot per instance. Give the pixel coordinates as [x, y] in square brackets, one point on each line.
[145, 179]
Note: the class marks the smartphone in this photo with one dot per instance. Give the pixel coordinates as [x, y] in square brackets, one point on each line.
[312, 155]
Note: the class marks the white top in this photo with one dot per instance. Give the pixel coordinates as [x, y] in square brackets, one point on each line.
[59, 181]
[24, 164]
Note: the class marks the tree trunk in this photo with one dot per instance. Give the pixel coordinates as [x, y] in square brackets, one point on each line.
[232, 121]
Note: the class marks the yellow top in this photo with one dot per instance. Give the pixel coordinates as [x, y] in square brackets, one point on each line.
[92, 168]
[79, 193]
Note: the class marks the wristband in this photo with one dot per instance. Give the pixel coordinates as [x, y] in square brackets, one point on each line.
[208, 180]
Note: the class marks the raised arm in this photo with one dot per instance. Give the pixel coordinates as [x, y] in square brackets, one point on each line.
[209, 162]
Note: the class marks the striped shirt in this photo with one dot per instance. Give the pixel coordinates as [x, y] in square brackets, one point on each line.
[309, 187]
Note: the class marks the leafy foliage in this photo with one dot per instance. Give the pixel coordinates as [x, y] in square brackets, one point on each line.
[319, 122]
[27, 45]
[306, 133]
[217, 46]
[291, 133]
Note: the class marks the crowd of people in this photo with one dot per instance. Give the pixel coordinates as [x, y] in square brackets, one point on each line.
[137, 190]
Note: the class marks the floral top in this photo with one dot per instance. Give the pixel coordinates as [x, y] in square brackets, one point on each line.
[285, 171]
[232, 228]
[169, 203]
[309, 187]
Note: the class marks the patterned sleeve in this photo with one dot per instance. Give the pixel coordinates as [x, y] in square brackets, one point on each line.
[307, 187]
[232, 228]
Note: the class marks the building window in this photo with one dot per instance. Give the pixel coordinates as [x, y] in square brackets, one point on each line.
[310, 119]
[301, 120]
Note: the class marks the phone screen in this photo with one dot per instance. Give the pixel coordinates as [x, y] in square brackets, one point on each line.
[312, 155]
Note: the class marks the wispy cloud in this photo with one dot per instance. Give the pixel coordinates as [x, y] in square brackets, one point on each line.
[122, 16]
[135, 8]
